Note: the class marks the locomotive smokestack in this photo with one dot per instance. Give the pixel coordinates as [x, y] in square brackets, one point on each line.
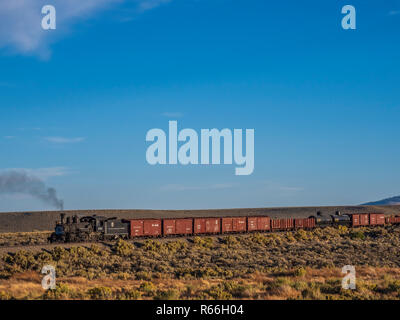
[62, 216]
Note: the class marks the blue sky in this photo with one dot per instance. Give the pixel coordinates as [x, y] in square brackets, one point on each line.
[76, 103]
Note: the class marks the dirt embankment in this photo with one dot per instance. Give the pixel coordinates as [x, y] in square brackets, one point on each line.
[45, 220]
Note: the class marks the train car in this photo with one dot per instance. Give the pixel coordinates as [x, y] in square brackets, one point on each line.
[258, 224]
[364, 219]
[359, 220]
[145, 228]
[184, 226]
[169, 227]
[376, 219]
[88, 228]
[207, 226]
[172, 227]
[282, 224]
[322, 220]
[392, 220]
[233, 225]
[340, 219]
[213, 225]
[304, 223]
[93, 228]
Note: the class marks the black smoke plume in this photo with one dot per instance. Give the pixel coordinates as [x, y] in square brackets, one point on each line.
[19, 181]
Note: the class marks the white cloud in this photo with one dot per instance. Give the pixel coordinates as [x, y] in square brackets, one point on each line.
[62, 140]
[20, 21]
[151, 4]
[42, 173]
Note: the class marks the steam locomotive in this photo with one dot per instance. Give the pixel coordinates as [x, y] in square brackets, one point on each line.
[88, 228]
[97, 228]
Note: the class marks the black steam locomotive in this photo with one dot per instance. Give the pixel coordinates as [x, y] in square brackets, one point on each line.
[89, 228]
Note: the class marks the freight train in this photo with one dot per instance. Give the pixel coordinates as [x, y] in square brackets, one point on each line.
[96, 228]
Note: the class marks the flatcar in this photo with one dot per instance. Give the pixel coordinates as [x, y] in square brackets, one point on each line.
[93, 228]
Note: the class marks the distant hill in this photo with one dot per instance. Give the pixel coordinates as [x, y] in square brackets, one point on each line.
[385, 202]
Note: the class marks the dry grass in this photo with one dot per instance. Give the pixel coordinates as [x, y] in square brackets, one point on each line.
[293, 265]
[320, 284]
[23, 238]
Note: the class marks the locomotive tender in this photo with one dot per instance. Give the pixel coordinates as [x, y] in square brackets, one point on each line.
[96, 228]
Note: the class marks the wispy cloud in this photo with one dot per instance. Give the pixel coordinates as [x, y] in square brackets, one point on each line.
[394, 12]
[9, 137]
[181, 187]
[151, 4]
[62, 140]
[20, 21]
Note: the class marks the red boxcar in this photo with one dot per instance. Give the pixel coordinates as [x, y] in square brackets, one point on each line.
[226, 225]
[258, 224]
[136, 229]
[233, 225]
[263, 223]
[282, 224]
[397, 219]
[364, 219]
[239, 224]
[169, 227]
[252, 224]
[199, 226]
[213, 225]
[207, 225]
[355, 220]
[309, 223]
[299, 223]
[361, 219]
[152, 228]
[145, 227]
[305, 223]
[376, 219]
[380, 219]
[184, 226]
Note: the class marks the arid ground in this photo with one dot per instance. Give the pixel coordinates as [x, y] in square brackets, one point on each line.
[289, 265]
